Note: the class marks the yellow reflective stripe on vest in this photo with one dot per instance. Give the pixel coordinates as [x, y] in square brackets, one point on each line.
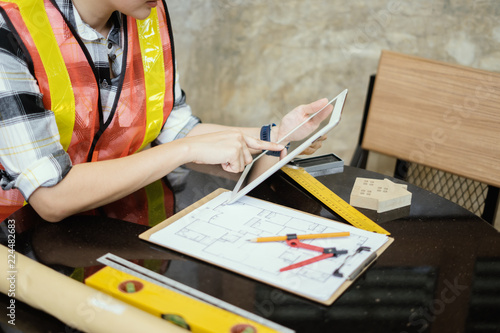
[154, 74]
[61, 91]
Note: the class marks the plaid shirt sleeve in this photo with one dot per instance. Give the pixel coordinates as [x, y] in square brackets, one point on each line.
[30, 151]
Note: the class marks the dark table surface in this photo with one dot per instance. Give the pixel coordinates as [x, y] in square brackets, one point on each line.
[441, 274]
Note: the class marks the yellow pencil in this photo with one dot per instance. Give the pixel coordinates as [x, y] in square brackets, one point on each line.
[307, 236]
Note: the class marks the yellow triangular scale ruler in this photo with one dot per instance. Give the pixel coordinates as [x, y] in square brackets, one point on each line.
[332, 201]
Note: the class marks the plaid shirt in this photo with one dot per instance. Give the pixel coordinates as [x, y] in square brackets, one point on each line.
[30, 150]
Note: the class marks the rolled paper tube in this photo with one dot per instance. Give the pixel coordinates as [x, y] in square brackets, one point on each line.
[73, 302]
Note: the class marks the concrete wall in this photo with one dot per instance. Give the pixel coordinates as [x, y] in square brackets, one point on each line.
[247, 62]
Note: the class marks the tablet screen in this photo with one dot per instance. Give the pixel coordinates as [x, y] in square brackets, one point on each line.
[256, 173]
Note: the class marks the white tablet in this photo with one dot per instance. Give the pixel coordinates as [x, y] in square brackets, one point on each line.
[294, 150]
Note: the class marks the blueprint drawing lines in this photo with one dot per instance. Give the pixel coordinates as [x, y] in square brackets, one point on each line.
[220, 233]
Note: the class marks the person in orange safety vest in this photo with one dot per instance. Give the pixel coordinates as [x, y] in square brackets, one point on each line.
[85, 87]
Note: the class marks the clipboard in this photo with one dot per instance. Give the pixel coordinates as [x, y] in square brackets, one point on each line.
[359, 269]
[241, 189]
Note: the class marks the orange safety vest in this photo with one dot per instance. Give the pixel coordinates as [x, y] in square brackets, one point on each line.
[67, 79]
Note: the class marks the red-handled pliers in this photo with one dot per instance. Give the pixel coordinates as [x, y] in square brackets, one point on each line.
[327, 252]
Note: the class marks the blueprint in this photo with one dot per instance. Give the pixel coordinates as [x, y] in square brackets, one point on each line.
[219, 233]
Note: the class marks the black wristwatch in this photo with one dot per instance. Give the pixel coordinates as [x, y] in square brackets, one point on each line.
[265, 135]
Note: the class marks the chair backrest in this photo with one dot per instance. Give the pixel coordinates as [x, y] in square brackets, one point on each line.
[436, 114]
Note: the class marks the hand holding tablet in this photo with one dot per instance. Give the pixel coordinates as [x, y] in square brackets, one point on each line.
[309, 130]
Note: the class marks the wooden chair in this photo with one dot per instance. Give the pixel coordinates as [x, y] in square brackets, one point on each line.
[440, 121]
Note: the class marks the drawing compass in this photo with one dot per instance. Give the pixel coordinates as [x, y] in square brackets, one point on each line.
[326, 252]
